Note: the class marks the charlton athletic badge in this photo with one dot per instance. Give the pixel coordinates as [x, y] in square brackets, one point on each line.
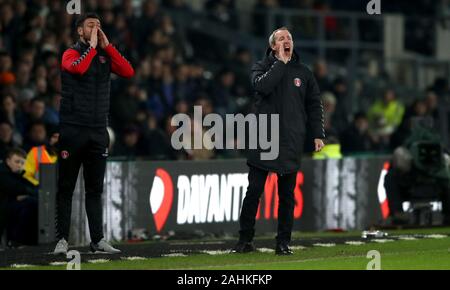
[64, 154]
[102, 59]
[297, 82]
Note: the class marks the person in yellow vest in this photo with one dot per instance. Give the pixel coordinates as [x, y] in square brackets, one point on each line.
[43, 154]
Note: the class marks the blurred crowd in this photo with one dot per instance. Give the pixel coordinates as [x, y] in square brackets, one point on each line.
[171, 77]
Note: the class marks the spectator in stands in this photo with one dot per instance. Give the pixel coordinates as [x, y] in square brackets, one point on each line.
[155, 143]
[36, 135]
[417, 109]
[10, 113]
[385, 115]
[6, 138]
[40, 154]
[340, 91]
[223, 11]
[432, 103]
[22, 225]
[223, 92]
[321, 75]
[329, 111]
[127, 146]
[356, 138]
[37, 113]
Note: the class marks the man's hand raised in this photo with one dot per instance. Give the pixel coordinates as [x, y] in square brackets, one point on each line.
[94, 38]
[104, 42]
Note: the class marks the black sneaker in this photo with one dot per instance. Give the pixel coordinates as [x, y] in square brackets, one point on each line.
[283, 250]
[243, 247]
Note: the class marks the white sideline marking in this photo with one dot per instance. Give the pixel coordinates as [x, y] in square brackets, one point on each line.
[381, 241]
[134, 258]
[298, 248]
[21, 265]
[436, 236]
[174, 255]
[99, 261]
[406, 238]
[58, 263]
[329, 245]
[218, 252]
[354, 243]
[266, 250]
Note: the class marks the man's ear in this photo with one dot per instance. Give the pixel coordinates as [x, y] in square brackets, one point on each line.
[80, 31]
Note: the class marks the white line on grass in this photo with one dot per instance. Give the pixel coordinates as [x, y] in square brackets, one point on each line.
[326, 245]
[174, 255]
[354, 243]
[21, 266]
[134, 258]
[58, 263]
[98, 261]
[382, 241]
[214, 253]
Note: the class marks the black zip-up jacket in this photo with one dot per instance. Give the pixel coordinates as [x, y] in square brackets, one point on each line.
[291, 91]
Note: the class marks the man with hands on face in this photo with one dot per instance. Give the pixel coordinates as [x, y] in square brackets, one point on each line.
[83, 138]
[283, 86]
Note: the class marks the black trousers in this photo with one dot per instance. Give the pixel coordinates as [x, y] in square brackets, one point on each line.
[256, 181]
[88, 147]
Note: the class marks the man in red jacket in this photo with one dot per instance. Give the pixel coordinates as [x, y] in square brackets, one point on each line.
[83, 139]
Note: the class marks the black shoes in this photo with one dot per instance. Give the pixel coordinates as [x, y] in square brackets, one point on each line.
[283, 250]
[243, 247]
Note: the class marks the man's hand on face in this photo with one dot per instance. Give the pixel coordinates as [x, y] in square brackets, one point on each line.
[94, 38]
[104, 42]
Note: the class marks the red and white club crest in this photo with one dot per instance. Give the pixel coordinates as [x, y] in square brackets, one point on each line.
[102, 59]
[297, 82]
[64, 154]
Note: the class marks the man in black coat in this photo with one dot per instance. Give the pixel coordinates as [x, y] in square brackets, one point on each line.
[286, 87]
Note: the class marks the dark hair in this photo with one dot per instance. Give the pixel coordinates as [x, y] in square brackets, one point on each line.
[37, 123]
[37, 99]
[83, 17]
[15, 151]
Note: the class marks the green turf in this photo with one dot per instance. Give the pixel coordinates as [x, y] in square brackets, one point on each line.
[416, 254]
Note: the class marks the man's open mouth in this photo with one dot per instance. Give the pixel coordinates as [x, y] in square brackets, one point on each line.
[287, 49]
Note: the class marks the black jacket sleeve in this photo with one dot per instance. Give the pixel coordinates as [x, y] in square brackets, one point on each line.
[13, 187]
[264, 81]
[314, 108]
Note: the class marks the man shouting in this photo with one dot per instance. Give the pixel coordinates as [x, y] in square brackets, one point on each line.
[285, 87]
